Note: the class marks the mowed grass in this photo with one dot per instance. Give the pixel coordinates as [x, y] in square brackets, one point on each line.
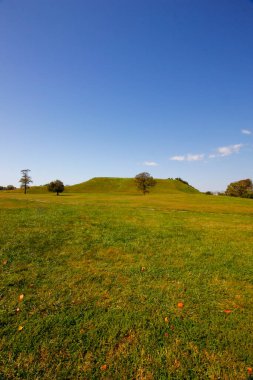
[102, 276]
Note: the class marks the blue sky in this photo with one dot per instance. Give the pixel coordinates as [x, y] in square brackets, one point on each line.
[113, 88]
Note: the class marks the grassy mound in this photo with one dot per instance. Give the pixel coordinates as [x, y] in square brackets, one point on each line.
[127, 185]
[37, 189]
[119, 185]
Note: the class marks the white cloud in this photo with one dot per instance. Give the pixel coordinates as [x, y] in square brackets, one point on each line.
[150, 163]
[246, 132]
[228, 150]
[194, 157]
[177, 158]
[188, 157]
[222, 151]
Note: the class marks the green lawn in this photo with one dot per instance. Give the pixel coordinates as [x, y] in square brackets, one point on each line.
[102, 276]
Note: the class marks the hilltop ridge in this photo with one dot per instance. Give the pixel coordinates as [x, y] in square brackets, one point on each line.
[127, 185]
[120, 185]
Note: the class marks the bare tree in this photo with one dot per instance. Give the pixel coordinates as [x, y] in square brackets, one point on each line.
[25, 179]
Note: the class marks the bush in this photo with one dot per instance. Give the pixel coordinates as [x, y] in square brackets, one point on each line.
[242, 188]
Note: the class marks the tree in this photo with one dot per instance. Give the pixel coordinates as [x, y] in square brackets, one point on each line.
[10, 187]
[242, 188]
[183, 181]
[56, 186]
[144, 181]
[25, 179]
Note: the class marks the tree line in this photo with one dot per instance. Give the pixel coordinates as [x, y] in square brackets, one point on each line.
[9, 187]
[56, 186]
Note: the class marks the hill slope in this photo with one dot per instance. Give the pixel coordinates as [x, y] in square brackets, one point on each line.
[127, 185]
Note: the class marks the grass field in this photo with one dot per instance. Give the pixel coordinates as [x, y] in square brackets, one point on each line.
[125, 286]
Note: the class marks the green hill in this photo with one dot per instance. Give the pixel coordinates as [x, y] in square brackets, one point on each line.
[37, 189]
[119, 185]
[127, 185]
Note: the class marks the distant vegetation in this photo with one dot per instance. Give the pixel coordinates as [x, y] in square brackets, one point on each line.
[209, 193]
[242, 188]
[9, 187]
[181, 180]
